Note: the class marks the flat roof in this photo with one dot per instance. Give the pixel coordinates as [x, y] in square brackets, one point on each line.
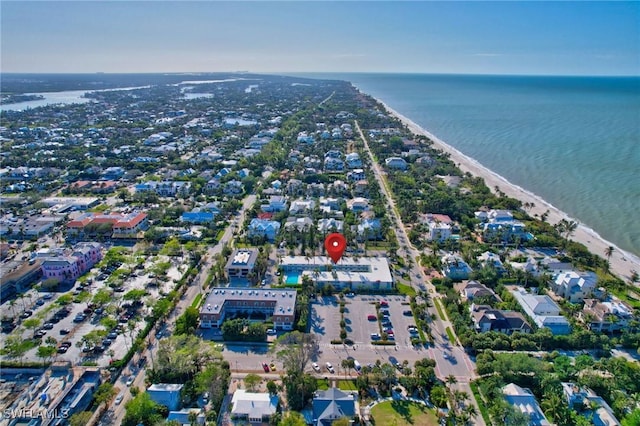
[242, 257]
[348, 269]
[285, 299]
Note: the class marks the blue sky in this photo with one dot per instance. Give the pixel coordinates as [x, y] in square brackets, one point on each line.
[564, 38]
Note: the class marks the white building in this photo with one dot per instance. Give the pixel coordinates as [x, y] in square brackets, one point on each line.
[524, 401]
[368, 273]
[544, 311]
[574, 286]
[256, 408]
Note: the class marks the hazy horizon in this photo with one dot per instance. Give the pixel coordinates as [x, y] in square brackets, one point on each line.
[479, 38]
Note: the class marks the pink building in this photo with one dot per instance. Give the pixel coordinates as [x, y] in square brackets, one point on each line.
[68, 268]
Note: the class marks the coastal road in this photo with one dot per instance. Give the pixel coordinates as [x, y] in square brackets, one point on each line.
[451, 359]
[115, 414]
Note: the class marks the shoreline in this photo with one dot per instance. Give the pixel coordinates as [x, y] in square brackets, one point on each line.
[622, 263]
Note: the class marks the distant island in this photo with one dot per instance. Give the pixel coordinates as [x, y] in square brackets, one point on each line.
[19, 97]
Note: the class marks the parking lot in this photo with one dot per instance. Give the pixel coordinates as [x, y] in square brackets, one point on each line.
[68, 323]
[361, 319]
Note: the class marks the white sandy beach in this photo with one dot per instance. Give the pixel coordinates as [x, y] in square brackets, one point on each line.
[621, 263]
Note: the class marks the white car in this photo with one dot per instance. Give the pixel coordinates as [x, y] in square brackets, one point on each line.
[119, 399]
[315, 366]
[330, 367]
[129, 381]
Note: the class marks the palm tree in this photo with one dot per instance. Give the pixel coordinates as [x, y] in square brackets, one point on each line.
[609, 252]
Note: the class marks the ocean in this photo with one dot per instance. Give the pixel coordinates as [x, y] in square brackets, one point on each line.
[573, 141]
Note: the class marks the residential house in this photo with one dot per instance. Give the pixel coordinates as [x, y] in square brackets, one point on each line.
[263, 228]
[610, 316]
[277, 203]
[369, 229]
[455, 268]
[302, 207]
[212, 186]
[586, 402]
[329, 204]
[473, 290]
[358, 204]
[333, 164]
[397, 163]
[491, 260]
[330, 225]
[485, 318]
[523, 400]
[356, 175]
[252, 407]
[241, 264]
[167, 394]
[574, 286]
[299, 224]
[543, 310]
[294, 187]
[233, 187]
[331, 405]
[198, 217]
[353, 160]
[165, 188]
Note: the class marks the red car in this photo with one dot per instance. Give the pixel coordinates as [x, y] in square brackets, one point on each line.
[384, 303]
[265, 367]
[372, 318]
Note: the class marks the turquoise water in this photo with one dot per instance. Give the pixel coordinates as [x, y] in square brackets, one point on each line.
[292, 279]
[573, 141]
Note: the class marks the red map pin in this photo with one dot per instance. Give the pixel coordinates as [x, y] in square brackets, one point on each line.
[335, 245]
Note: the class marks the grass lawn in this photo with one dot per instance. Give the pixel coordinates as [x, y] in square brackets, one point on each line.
[401, 413]
[439, 309]
[347, 385]
[452, 338]
[196, 301]
[406, 290]
[322, 384]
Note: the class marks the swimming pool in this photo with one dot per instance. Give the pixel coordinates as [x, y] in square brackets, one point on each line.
[292, 278]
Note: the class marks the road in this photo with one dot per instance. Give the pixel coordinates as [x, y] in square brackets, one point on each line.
[451, 359]
[116, 413]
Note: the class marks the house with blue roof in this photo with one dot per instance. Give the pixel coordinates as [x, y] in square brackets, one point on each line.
[263, 228]
[331, 405]
[199, 217]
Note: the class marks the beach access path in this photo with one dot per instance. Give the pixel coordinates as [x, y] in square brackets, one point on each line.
[621, 263]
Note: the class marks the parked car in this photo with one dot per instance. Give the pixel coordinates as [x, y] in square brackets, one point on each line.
[129, 381]
[119, 399]
[265, 367]
[330, 368]
[272, 366]
[48, 326]
[64, 331]
[316, 367]
[384, 303]
[372, 317]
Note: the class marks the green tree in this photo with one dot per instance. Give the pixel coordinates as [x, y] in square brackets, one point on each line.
[251, 381]
[32, 324]
[272, 387]
[105, 393]
[291, 418]
[142, 410]
[438, 396]
[295, 350]
[46, 352]
[102, 297]
[188, 321]
[80, 419]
